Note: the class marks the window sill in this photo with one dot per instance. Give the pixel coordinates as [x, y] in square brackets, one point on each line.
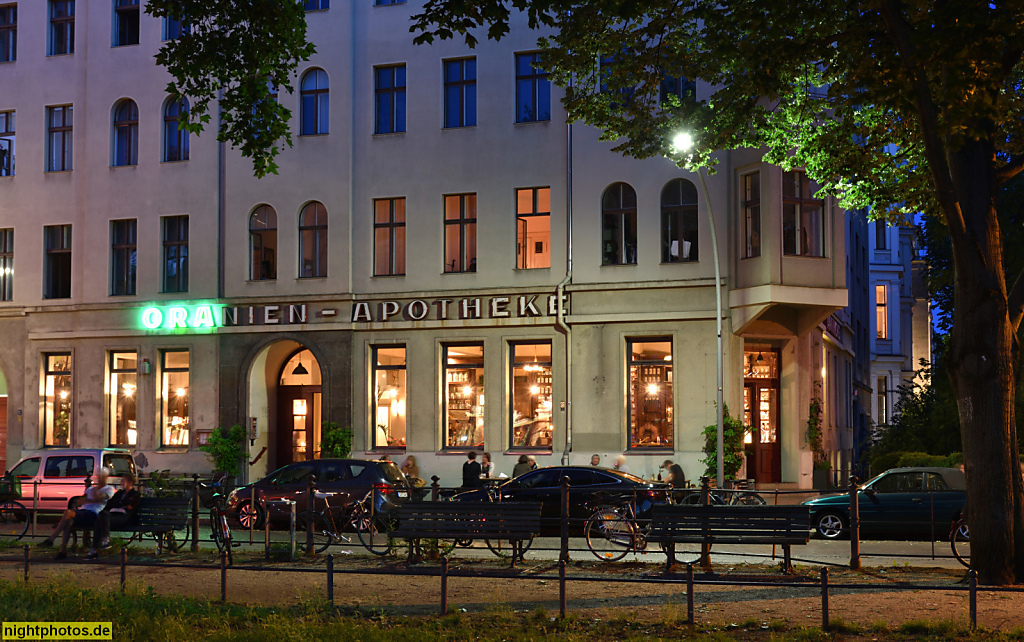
[311, 278]
[174, 162]
[123, 295]
[618, 265]
[127, 44]
[388, 134]
[261, 280]
[686, 262]
[384, 450]
[387, 276]
[58, 55]
[750, 258]
[523, 450]
[463, 272]
[803, 256]
[58, 171]
[649, 450]
[533, 122]
[533, 269]
[124, 166]
[458, 127]
[173, 449]
[460, 452]
[316, 135]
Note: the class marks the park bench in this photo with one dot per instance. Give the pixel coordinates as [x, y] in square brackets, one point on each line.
[159, 516]
[673, 524]
[514, 522]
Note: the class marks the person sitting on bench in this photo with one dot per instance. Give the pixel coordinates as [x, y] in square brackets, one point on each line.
[85, 516]
[118, 514]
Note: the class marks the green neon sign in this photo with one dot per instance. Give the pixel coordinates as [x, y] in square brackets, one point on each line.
[182, 317]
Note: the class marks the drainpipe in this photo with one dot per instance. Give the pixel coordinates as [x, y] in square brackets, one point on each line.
[221, 204]
[559, 321]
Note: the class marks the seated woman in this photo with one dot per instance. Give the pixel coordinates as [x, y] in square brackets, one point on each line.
[85, 516]
[119, 513]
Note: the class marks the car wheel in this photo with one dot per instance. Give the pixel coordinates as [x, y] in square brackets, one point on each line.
[831, 525]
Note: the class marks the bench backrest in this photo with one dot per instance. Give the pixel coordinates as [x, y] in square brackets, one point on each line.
[479, 519]
[163, 512]
[731, 524]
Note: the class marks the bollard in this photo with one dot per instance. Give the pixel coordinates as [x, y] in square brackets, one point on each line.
[824, 598]
[291, 533]
[310, 499]
[35, 506]
[854, 523]
[561, 588]
[330, 578]
[564, 548]
[689, 594]
[124, 568]
[195, 514]
[972, 583]
[253, 503]
[435, 488]
[223, 577]
[444, 586]
[266, 535]
[28, 562]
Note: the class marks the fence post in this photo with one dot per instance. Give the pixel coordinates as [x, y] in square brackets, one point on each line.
[330, 578]
[705, 500]
[972, 583]
[444, 585]
[35, 506]
[854, 523]
[291, 532]
[824, 598]
[223, 577]
[28, 560]
[253, 512]
[195, 514]
[310, 503]
[689, 593]
[435, 488]
[564, 547]
[266, 533]
[124, 568]
[561, 588]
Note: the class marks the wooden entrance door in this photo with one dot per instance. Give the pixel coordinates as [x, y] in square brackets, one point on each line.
[761, 406]
[295, 424]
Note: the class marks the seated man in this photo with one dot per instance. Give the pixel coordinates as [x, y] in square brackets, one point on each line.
[675, 475]
[119, 513]
[85, 516]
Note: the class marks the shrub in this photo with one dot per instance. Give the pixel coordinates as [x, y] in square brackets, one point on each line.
[226, 449]
[733, 431]
[335, 441]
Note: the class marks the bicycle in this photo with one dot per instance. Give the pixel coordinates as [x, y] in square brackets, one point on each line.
[611, 533]
[960, 541]
[13, 515]
[719, 497]
[372, 529]
[211, 497]
[501, 548]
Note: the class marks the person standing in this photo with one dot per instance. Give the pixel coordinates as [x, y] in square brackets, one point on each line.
[471, 472]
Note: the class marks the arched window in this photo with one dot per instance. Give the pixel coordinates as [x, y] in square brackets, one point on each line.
[263, 244]
[175, 139]
[314, 106]
[126, 133]
[618, 225]
[679, 222]
[313, 241]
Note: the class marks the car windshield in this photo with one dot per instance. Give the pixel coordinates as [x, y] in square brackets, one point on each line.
[391, 473]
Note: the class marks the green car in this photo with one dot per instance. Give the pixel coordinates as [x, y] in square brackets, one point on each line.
[922, 502]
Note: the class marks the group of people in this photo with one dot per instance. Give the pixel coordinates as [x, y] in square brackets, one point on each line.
[101, 508]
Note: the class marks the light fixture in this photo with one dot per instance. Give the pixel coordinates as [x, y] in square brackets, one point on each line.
[180, 392]
[128, 388]
[63, 394]
[652, 389]
[393, 392]
[534, 390]
[760, 357]
[300, 370]
[467, 391]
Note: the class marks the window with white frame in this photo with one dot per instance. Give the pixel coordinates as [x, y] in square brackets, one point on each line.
[122, 425]
[313, 241]
[533, 228]
[126, 23]
[803, 216]
[126, 133]
[679, 222]
[389, 237]
[389, 395]
[314, 103]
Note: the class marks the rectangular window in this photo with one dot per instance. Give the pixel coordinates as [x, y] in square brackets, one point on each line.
[677, 88]
[316, 5]
[59, 142]
[175, 253]
[881, 235]
[57, 399]
[57, 268]
[389, 391]
[460, 92]
[883, 401]
[6, 143]
[8, 32]
[176, 405]
[650, 393]
[122, 257]
[752, 214]
[121, 398]
[464, 396]
[7, 265]
[533, 228]
[803, 216]
[62, 27]
[389, 99]
[881, 312]
[530, 403]
[533, 90]
[126, 23]
[460, 233]
[389, 237]
[174, 27]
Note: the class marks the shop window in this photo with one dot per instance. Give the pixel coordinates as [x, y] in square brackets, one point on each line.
[803, 216]
[126, 23]
[464, 396]
[649, 400]
[679, 222]
[126, 133]
[263, 244]
[7, 265]
[176, 404]
[530, 404]
[389, 98]
[8, 33]
[460, 233]
[57, 275]
[59, 138]
[57, 415]
[460, 92]
[389, 396]
[175, 138]
[752, 215]
[62, 27]
[533, 89]
[175, 229]
[881, 312]
[533, 228]
[123, 257]
[7, 121]
[314, 103]
[389, 237]
[313, 241]
[618, 225]
[121, 399]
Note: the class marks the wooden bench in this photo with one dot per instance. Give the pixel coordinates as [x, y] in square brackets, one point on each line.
[159, 516]
[515, 522]
[673, 524]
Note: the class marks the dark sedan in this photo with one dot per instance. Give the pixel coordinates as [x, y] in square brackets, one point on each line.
[348, 479]
[589, 489]
[920, 502]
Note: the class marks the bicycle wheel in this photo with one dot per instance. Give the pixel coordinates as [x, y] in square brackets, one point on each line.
[503, 547]
[748, 499]
[375, 533]
[174, 541]
[13, 519]
[323, 535]
[609, 535]
[960, 542]
[219, 533]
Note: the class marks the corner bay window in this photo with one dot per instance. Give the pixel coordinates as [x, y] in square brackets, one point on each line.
[57, 395]
[464, 396]
[881, 313]
[650, 393]
[389, 397]
[752, 215]
[121, 395]
[174, 395]
[803, 221]
[531, 395]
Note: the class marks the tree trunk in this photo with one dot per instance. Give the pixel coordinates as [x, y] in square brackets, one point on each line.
[981, 367]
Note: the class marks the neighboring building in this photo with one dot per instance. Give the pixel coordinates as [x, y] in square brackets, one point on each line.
[408, 258]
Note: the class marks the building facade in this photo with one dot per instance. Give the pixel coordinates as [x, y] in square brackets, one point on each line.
[442, 264]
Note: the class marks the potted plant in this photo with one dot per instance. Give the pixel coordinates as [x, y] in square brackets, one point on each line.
[226, 450]
[822, 472]
[733, 431]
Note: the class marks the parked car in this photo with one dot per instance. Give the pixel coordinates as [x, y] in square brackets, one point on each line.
[61, 473]
[921, 502]
[349, 479]
[589, 489]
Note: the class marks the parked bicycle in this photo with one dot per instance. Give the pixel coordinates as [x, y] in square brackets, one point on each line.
[719, 497]
[372, 528]
[960, 542]
[613, 532]
[211, 497]
[13, 515]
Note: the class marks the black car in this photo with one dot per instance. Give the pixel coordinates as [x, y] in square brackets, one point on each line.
[589, 489]
[349, 479]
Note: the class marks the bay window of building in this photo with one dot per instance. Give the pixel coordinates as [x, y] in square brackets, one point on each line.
[389, 393]
[389, 99]
[533, 89]
[463, 396]
[263, 244]
[752, 215]
[679, 222]
[389, 237]
[533, 228]
[57, 272]
[8, 32]
[57, 399]
[121, 398]
[314, 103]
[313, 241]
[649, 402]
[6, 143]
[126, 23]
[123, 256]
[618, 225]
[59, 141]
[62, 27]
[460, 92]
[803, 216]
[460, 233]
[881, 312]
[175, 234]
[174, 396]
[126, 133]
[175, 138]
[7, 264]
[530, 403]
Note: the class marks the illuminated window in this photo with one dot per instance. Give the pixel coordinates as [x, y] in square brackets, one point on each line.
[533, 89]
[460, 92]
[803, 216]
[7, 143]
[881, 312]
[389, 392]
[883, 400]
[679, 222]
[126, 133]
[126, 23]
[121, 399]
[263, 244]
[175, 138]
[313, 241]
[8, 32]
[530, 404]
[62, 27]
[314, 103]
[175, 230]
[464, 396]
[533, 228]
[649, 365]
[460, 233]
[57, 415]
[59, 140]
[389, 237]
[57, 273]
[7, 265]
[174, 394]
[752, 215]
[389, 96]
[123, 257]
[618, 225]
